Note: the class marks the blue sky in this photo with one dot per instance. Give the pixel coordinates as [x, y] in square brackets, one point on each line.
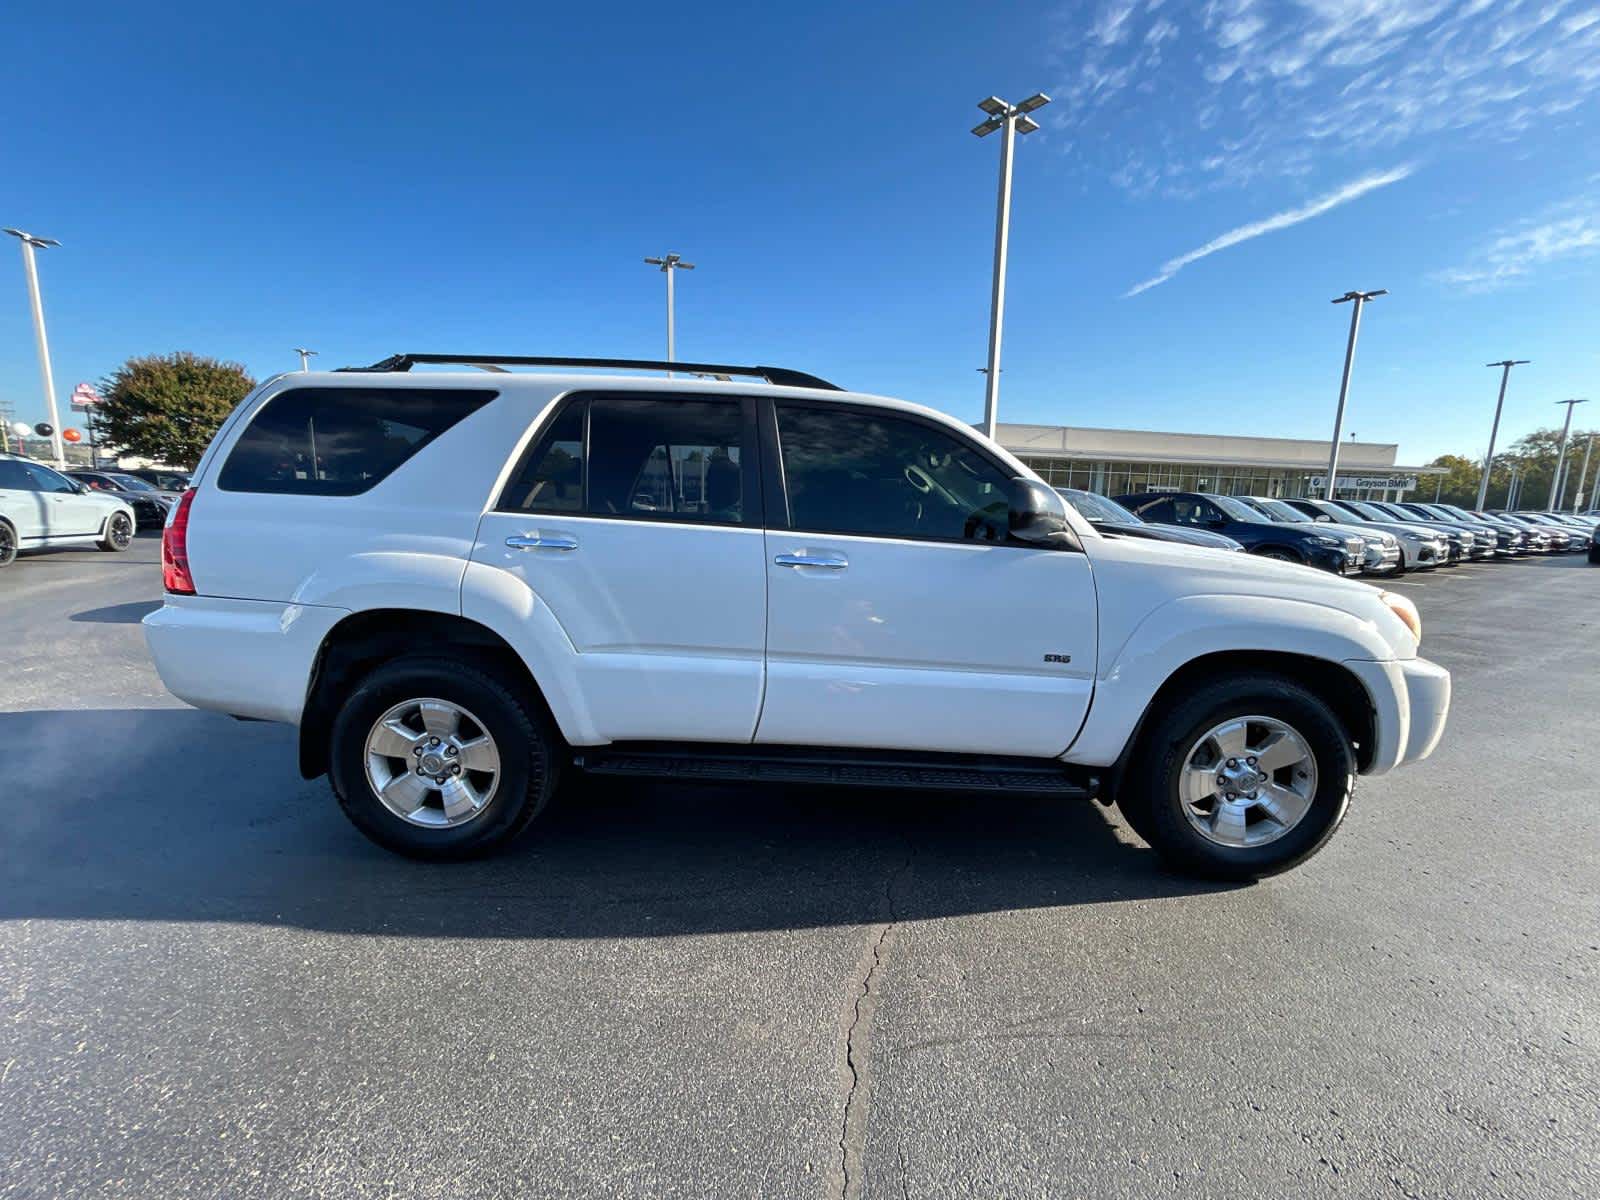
[369, 178]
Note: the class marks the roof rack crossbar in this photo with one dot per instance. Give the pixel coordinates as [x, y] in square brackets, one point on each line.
[778, 376]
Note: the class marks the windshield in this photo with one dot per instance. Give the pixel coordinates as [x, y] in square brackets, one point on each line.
[131, 483]
[1098, 508]
[1239, 512]
[1281, 511]
[1368, 511]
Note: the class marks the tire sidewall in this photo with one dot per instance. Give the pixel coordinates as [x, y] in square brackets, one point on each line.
[9, 548]
[527, 762]
[1170, 830]
[109, 542]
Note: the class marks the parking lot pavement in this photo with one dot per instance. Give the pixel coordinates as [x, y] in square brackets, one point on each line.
[211, 985]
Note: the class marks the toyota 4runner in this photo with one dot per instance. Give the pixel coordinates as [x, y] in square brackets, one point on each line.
[458, 585]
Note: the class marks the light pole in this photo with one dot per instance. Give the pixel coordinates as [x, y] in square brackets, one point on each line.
[1010, 119]
[1583, 475]
[29, 241]
[1505, 365]
[670, 264]
[1561, 455]
[1360, 299]
[305, 357]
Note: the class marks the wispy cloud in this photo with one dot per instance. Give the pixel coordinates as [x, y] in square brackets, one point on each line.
[1283, 220]
[1323, 81]
[1567, 231]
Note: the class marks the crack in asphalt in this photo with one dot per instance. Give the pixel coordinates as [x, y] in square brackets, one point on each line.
[853, 1124]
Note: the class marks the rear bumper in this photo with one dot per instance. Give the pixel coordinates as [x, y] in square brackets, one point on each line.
[250, 658]
[1411, 702]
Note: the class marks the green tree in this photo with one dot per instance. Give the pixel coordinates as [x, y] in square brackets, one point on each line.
[167, 406]
[1533, 457]
[1459, 485]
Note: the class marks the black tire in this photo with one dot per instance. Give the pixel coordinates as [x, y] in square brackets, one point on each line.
[530, 756]
[8, 543]
[1149, 798]
[119, 533]
[1594, 556]
[1281, 555]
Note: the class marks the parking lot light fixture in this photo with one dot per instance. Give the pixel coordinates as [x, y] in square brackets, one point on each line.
[670, 265]
[30, 242]
[1359, 299]
[1505, 366]
[1010, 120]
[305, 357]
[1561, 456]
[1583, 476]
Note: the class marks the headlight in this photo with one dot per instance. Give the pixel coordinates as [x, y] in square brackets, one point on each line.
[1402, 607]
[1322, 539]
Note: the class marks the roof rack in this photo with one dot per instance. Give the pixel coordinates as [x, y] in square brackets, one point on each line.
[779, 376]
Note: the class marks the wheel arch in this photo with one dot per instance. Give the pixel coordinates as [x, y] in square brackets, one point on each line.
[365, 640]
[1282, 548]
[1331, 682]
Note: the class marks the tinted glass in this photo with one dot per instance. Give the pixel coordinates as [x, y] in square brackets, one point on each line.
[46, 480]
[675, 459]
[551, 480]
[1279, 511]
[1159, 511]
[14, 477]
[131, 483]
[1197, 511]
[666, 458]
[340, 441]
[1235, 509]
[860, 473]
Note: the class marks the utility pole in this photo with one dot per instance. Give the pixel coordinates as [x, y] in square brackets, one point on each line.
[305, 357]
[1010, 119]
[1583, 475]
[41, 343]
[1505, 366]
[1561, 455]
[670, 264]
[1359, 298]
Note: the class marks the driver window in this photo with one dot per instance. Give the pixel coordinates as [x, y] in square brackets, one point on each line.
[45, 480]
[854, 473]
[1194, 512]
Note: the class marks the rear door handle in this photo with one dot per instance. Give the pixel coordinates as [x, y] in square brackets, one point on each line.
[555, 541]
[832, 562]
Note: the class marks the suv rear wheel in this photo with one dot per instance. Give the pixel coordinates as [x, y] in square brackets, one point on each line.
[1243, 778]
[441, 759]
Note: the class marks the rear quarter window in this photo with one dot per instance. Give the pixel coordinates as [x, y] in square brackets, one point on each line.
[340, 441]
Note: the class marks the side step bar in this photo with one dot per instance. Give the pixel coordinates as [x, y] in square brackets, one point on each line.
[791, 765]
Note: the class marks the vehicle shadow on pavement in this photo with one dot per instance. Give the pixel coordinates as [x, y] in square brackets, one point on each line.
[117, 614]
[179, 815]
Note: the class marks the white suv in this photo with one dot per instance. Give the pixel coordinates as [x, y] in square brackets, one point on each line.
[40, 507]
[457, 585]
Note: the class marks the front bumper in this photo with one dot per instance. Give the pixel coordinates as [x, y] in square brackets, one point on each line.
[1411, 701]
[1328, 558]
[1380, 559]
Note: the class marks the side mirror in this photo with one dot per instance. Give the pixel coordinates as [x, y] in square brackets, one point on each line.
[81, 488]
[1036, 512]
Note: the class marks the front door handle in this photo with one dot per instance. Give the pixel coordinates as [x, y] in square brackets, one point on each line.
[833, 562]
[554, 541]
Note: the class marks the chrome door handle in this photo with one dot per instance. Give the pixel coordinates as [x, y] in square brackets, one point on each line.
[833, 562]
[558, 541]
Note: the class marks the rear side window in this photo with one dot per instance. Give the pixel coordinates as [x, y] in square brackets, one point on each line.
[340, 441]
[643, 457]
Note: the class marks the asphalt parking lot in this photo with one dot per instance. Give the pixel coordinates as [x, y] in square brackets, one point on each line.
[210, 984]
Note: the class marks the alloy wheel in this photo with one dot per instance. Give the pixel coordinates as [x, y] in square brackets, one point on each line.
[1247, 781]
[432, 763]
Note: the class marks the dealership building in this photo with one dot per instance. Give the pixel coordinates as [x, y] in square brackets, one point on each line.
[1115, 462]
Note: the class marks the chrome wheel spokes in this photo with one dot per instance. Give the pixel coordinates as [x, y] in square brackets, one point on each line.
[432, 763]
[1247, 781]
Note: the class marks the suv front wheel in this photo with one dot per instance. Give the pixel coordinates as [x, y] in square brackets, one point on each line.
[1242, 778]
[441, 759]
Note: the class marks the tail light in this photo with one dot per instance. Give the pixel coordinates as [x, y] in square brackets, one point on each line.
[175, 575]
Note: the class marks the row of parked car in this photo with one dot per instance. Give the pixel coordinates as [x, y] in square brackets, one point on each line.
[41, 507]
[1348, 537]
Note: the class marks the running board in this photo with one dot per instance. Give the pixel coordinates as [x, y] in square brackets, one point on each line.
[791, 765]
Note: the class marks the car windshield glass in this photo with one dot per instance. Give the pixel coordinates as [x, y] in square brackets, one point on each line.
[1368, 511]
[1235, 510]
[1098, 508]
[130, 483]
[1282, 512]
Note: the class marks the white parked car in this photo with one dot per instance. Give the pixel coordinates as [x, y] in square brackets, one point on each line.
[40, 507]
[458, 585]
